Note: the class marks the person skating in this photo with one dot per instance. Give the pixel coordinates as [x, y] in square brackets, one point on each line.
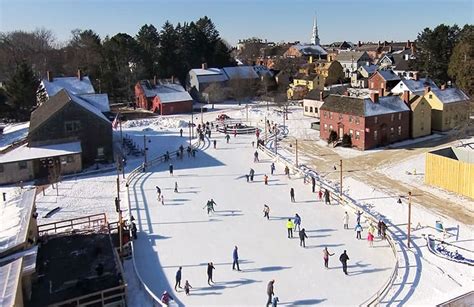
[158, 192]
[181, 150]
[384, 230]
[133, 229]
[266, 212]
[210, 268]
[171, 169]
[265, 179]
[379, 228]
[176, 187]
[275, 301]
[297, 221]
[371, 229]
[235, 257]
[208, 206]
[178, 279]
[358, 215]
[326, 255]
[370, 238]
[227, 137]
[251, 173]
[255, 156]
[327, 197]
[343, 258]
[247, 176]
[270, 291]
[188, 150]
[320, 195]
[166, 298]
[215, 143]
[212, 204]
[272, 168]
[292, 195]
[289, 226]
[162, 200]
[187, 286]
[346, 220]
[358, 230]
[287, 171]
[313, 184]
[303, 236]
[181, 132]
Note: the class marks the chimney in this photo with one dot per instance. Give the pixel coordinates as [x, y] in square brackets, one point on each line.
[359, 44]
[390, 49]
[427, 89]
[49, 76]
[374, 97]
[79, 74]
[379, 43]
[204, 65]
[310, 59]
[381, 92]
[413, 48]
[406, 96]
[384, 43]
[443, 86]
[415, 76]
[154, 80]
[321, 96]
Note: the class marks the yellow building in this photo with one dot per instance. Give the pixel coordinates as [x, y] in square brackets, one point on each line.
[450, 108]
[420, 115]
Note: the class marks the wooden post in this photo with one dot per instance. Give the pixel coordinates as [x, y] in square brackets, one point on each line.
[190, 128]
[296, 148]
[121, 133]
[120, 233]
[409, 220]
[144, 152]
[340, 175]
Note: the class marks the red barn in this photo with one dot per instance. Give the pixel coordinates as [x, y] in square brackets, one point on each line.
[370, 122]
[163, 97]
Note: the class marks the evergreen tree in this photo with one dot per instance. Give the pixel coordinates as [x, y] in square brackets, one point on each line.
[21, 91]
[434, 51]
[461, 64]
[84, 51]
[148, 40]
[168, 58]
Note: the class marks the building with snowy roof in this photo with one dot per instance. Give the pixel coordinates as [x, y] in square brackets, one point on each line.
[383, 79]
[450, 108]
[163, 96]
[414, 86]
[370, 122]
[66, 118]
[352, 60]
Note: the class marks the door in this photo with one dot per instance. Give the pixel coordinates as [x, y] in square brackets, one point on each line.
[341, 132]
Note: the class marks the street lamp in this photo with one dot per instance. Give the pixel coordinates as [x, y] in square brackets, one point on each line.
[145, 148]
[409, 220]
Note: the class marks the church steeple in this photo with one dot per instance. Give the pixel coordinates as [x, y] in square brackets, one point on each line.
[315, 36]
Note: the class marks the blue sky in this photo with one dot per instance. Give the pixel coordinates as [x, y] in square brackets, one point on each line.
[275, 20]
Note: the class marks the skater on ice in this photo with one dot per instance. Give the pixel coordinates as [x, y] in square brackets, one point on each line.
[235, 257]
[266, 212]
[303, 236]
[272, 168]
[320, 195]
[158, 192]
[187, 286]
[251, 173]
[210, 268]
[215, 143]
[171, 169]
[327, 197]
[176, 187]
[178, 279]
[326, 255]
[162, 200]
[343, 258]
[289, 226]
[255, 156]
[346, 220]
[292, 195]
[358, 215]
[313, 184]
[270, 291]
[166, 298]
[265, 179]
[297, 221]
[358, 230]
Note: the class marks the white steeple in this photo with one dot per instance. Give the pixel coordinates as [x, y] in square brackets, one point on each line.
[315, 36]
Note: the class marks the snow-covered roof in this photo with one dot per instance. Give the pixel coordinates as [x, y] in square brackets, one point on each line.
[262, 70]
[10, 275]
[349, 56]
[87, 105]
[209, 75]
[450, 95]
[100, 101]
[369, 68]
[240, 72]
[15, 217]
[416, 87]
[385, 105]
[24, 153]
[73, 84]
[389, 75]
[172, 93]
[307, 49]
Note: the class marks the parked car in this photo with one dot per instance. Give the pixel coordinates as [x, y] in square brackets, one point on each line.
[222, 117]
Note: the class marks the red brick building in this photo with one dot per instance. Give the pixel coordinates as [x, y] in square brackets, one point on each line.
[371, 122]
[383, 79]
[163, 96]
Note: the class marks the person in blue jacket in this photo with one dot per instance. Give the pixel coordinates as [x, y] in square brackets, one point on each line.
[297, 221]
[235, 256]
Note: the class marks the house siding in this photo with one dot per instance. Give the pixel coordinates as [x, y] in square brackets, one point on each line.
[421, 119]
[94, 133]
[171, 107]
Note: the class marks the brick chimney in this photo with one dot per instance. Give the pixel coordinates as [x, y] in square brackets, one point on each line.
[374, 96]
[49, 76]
[416, 77]
[390, 49]
[359, 44]
[406, 97]
[379, 43]
[204, 65]
[79, 74]
[381, 92]
[427, 89]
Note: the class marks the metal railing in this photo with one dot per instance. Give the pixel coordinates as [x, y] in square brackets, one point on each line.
[95, 221]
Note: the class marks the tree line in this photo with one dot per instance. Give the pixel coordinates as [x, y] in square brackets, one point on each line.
[113, 63]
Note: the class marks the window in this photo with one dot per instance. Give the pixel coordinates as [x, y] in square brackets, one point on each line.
[392, 131]
[376, 119]
[325, 114]
[306, 108]
[325, 127]
[375, 135]
[311, 109]
[100, 152]
[399, 130]
[430, 96]
[22, 165]
[357, 121]
[392, 117]
[330, 115]
[357, 135]
[330, 127]
[351, 133]
[73, 125]
[350, 119]
[340, 116]
[372, 84]
[399, 116]
[70, 159]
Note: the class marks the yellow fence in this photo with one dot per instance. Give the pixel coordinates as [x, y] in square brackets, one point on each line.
[450, 174]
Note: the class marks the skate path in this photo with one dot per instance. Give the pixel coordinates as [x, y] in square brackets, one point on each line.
[181, 234]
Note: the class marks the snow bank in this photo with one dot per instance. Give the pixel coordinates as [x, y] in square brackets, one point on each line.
[158, 123]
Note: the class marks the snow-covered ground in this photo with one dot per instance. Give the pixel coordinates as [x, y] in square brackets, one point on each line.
[13, 133]
[263, 246]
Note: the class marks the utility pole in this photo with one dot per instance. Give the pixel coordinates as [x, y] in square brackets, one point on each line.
[276, 140]
[265, 128]
[409, 220]
[202, 116]
[190, 139]
[340, 175]
[296, 148]
[144, 152]
[247, 109]
[192, 125]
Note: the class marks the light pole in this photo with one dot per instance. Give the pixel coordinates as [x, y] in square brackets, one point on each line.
[296, 149]
[190, 139]
[340, 175]
[202, 116]
[144, 152]
[409, 219]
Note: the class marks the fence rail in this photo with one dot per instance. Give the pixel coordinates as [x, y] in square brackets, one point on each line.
[95, 221]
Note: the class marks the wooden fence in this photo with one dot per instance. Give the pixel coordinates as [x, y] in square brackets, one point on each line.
[450, 174]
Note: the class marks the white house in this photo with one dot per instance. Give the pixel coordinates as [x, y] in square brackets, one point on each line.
[352, 60]
[415, 87]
